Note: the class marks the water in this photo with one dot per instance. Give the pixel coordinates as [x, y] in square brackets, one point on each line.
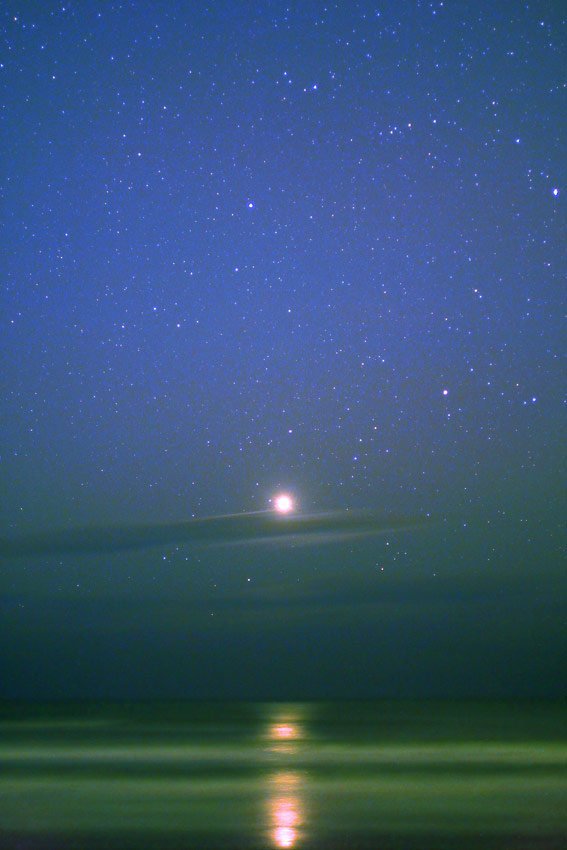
[192, 776]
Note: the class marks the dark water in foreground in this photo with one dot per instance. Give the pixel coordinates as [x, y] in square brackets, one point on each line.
[193, 776]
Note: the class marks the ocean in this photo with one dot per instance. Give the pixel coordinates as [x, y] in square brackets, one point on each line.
[195, 776]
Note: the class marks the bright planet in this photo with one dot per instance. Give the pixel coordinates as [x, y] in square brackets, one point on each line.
[283, 504]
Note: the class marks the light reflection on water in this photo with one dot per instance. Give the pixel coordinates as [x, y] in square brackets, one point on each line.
[285, 808]
[282, 776]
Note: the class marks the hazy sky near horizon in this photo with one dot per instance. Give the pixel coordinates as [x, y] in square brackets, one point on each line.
[263, 247]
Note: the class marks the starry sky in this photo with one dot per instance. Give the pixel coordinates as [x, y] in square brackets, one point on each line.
[303, 247]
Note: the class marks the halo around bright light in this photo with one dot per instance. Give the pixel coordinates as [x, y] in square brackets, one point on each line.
[283, 503]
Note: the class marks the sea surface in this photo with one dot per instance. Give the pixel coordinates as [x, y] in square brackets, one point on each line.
[196, 776]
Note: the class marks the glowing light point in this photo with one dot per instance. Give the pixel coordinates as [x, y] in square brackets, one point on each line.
[283, 504]
[284, 836]
[285, 731]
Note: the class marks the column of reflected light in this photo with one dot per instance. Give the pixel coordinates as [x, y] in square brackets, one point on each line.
[285, 809]
[286, 815]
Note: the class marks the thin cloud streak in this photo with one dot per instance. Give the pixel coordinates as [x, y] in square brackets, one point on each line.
[260, 526]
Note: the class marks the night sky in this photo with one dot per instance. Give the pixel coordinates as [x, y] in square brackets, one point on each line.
[303, 247]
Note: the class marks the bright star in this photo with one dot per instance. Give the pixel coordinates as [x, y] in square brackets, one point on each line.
[283, 504]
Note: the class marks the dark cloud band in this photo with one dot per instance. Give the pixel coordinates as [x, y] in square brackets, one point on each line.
[235, 528]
